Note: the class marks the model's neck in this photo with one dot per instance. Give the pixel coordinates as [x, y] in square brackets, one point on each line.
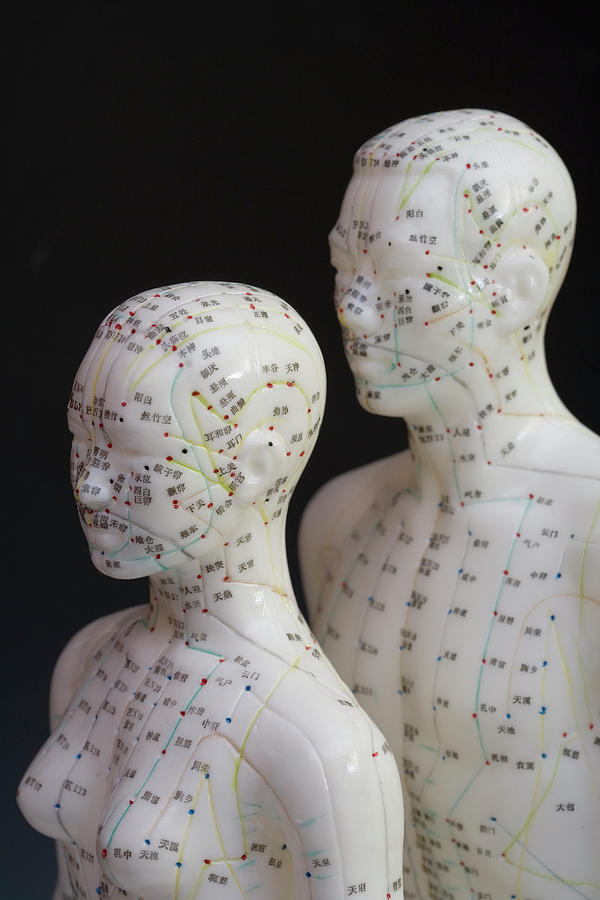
[242, 583]
[469, 426]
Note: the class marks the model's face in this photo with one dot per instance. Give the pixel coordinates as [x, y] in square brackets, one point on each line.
[148, 499]
[194, 404]
[400, 296]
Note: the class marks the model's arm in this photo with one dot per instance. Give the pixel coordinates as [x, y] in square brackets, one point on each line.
[329, 518]
[75, 656]
[322, 527]
[338, 782]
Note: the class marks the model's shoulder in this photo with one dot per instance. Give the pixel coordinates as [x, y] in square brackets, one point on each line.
[332, 499]
[76, 654]
[333, 511]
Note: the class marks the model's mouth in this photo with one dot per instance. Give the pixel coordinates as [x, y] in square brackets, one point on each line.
[99, 518]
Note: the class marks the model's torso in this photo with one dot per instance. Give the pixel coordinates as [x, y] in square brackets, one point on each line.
[181, 765]
[469, 633]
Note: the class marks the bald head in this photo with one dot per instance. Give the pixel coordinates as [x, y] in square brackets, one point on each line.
[453, 239]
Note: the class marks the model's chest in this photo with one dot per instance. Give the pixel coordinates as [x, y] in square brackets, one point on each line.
[417, 580]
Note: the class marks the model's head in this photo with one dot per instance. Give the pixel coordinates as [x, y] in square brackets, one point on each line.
[453, 238]
[193, 404]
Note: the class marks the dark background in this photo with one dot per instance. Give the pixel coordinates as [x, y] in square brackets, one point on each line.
[203, 142]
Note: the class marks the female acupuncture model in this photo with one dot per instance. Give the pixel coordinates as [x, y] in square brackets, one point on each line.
[455, 586]
[206, 748]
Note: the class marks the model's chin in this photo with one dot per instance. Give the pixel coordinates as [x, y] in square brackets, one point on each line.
[389, 400]
[373, 370]
[125, 569]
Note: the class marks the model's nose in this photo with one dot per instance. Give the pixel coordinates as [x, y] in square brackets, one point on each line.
[94, 488]
[357, 310]
[94, 493]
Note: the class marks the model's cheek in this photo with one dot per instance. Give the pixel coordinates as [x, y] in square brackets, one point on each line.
[358, 315]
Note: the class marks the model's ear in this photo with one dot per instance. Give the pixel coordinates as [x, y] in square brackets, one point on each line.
[260, 458]
[523, 278]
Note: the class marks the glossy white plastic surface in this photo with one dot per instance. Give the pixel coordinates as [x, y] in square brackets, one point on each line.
[455, 586]
[205, 747]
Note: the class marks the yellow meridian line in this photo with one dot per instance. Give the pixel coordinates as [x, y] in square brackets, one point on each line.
[521, 865]
[185, 837]
[567, 676]
[534, 810]
[196, 886]
[223, 327]
[201, 399]
[582, 597]
[294, 665]
[554, 879]
[186, 340]
[582, 567]
[530, 817]
[95, 383]
[417, 182]
[210, 453]
[225, 855]
[437, 277]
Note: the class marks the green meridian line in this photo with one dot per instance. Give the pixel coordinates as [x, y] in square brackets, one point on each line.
[360, 380]
[466, 788]
[137, 793]
[190, 701]
[308, 822]
[499, 500]
[569, 884]
[202, 650]
[491, 625]
[119, 820]
[444, 423]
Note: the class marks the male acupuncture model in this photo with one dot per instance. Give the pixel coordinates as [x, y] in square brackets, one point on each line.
[455, 586]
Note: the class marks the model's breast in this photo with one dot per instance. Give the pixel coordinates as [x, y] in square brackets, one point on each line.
[64, 789]
[192, 821]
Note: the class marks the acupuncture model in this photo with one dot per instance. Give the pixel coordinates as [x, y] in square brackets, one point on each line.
[455, 585]
[204, 746]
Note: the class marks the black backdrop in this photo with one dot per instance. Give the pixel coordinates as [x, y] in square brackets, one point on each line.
[200, 142]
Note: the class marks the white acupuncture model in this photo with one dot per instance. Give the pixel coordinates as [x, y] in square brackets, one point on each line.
[206, 748]
[455, 586]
